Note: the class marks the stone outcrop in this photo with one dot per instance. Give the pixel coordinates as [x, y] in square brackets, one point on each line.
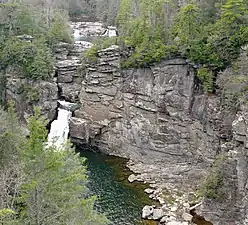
[152, 116]
[172, 132]
[232, 208]
[27, 94]
[145, 114]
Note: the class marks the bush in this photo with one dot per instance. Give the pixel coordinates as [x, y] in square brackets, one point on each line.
[212, 185]
[206, 77]
[59, 30]
[33, 59]
[30, 93]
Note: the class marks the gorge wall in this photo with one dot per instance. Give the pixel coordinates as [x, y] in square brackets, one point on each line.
[172, 132]
[156, 116]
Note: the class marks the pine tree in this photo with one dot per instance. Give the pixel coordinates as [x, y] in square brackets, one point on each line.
[54, 190]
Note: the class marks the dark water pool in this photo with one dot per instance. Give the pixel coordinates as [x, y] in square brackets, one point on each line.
[120, 200]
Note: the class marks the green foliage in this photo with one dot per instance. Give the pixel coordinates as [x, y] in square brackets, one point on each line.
[233, 83]
[215, 44]
[206, 77]
[6, 212]
[3, 81]
[32, 59]
[11, 136]
[6, 216]
[59, 30]
[212, 186]
[146, 33]
[29, 93]
[54, 190]
[125, 12]
[187, 26]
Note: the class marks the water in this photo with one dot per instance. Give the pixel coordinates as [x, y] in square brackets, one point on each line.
[120, 200]
[59, 131]
[76, 34]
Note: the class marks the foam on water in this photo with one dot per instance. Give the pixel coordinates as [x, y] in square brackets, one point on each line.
[59, 131]
[76, 34]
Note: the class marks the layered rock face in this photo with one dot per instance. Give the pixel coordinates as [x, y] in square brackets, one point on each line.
[157, 117]
[150, 116]
[142, 113]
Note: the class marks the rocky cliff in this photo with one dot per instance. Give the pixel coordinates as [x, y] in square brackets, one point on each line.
[160, 119]
[172, 132]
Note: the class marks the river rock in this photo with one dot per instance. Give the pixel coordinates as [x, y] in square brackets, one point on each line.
[163, 219]
[187, 217]
[132, 178]
[147, 211]
[177, 223]
[149, 190]
[157, 214]
[174, 208]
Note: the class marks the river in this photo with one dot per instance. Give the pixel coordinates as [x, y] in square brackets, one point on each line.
[121, 201]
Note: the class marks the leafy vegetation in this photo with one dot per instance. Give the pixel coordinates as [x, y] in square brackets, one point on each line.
[49, 185]
[28, 36]
[212, 186]
[27, 41]
[153, 33]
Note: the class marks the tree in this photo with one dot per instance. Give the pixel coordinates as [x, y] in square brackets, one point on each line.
[54, 190]
[11, 141]
[187, 25]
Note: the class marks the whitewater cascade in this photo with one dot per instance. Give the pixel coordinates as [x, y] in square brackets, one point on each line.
[76, 34]
[59, 131]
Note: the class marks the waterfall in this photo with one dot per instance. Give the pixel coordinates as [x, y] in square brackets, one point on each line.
[112, 33]
[59, 131]
[76, 34]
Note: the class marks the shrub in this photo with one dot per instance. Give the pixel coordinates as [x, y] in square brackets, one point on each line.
[33, 59]
[212, 185]
[206, 77]
[30, 93]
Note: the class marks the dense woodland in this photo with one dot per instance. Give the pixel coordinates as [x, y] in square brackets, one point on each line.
[42, 186]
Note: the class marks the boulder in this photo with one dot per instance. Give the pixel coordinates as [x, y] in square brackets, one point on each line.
[147, 211]
[157, 214]
[187, 217]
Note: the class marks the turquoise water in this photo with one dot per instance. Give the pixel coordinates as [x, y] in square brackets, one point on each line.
[120, 201]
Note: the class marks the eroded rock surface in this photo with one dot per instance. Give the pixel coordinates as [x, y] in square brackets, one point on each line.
[146, 115]
[172, 132]
[27, 94]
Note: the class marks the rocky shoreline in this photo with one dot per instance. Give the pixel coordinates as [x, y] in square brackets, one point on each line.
[174, 208]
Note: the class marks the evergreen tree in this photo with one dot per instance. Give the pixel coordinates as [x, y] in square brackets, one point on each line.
[11, 142]
[54, 190]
